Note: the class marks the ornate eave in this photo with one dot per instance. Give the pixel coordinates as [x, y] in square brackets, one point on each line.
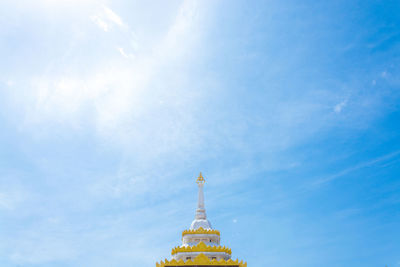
[201, 247]
[200, 231]
[202, 260]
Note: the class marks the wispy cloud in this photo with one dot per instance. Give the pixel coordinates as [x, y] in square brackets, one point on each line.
[105, 18]
[113, 94]
[339, 107]
[124, 54]
[359, 166]
[123, 109]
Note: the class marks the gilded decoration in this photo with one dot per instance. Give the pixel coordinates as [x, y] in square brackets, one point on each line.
[201, 247]
[199, 231]
[200, 179]
[202, 260]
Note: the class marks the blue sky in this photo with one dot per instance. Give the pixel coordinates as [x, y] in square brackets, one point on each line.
[109, 110]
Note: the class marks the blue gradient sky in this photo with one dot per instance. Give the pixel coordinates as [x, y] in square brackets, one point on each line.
[109, 110]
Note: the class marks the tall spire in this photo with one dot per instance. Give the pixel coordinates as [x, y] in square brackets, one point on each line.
[201, 211]
[200, 219]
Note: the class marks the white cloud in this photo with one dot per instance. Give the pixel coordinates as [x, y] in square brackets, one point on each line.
[106, 18]
[101, 23]
[113, 91]
[115, 96]
[339, 107]
[179, 34]
[112, 16]
[361, 165]
[124, 54]
[109, 93]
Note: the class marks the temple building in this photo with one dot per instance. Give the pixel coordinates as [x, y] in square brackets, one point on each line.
[201, 243]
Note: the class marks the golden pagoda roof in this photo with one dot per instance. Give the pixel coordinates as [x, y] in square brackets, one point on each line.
[201, 247]
[199, 231]
[201, 259]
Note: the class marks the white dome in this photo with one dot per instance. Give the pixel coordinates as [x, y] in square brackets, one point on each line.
[197, 223]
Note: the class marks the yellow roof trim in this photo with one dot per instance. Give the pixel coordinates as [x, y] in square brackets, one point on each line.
[199, 231]
[201, 247]
[201, 259]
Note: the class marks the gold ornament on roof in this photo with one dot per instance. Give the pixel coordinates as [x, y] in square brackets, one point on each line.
[200, 179]
[200, 260]
[200, 231]
[201, 247]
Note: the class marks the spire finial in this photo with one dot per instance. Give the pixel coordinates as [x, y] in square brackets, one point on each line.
[200, 179]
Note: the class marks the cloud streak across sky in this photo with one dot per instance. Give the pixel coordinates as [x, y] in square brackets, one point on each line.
[110, 109]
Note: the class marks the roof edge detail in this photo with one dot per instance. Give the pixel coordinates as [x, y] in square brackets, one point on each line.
[201, 259]
[201, 247]
[200, 230]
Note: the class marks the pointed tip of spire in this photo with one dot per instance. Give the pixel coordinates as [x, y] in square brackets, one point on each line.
[200, 179]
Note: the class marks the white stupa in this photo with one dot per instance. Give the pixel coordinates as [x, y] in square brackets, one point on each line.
[201, 244]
